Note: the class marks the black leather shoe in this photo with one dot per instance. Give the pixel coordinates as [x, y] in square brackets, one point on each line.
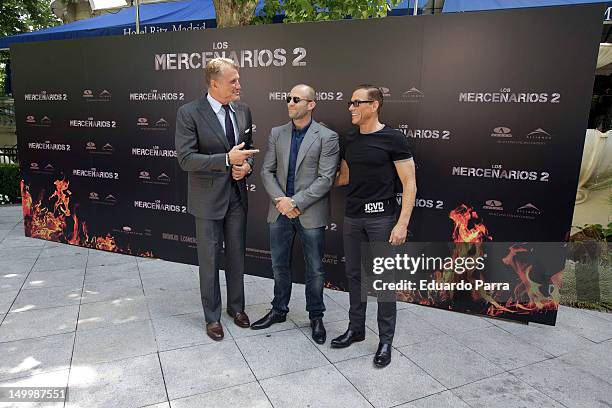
[349, 337]
[268, 320]
[319, 335]
[383, 355]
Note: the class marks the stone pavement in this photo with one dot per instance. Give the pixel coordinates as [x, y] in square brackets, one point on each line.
[123, 332]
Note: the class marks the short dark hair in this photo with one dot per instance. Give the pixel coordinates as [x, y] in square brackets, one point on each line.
[374, 93]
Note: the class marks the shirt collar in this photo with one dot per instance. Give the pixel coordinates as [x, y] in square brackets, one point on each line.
[302, 130]
[216, 105]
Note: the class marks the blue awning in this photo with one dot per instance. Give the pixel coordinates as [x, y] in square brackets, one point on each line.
[158, 17]
[451, 6]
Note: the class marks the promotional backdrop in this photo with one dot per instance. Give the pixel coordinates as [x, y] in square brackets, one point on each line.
[494, 104]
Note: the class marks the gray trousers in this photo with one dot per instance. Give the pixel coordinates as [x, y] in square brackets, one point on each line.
[356, 231]
[211, 234]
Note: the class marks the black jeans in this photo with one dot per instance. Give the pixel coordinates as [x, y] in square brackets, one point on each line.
[356, 231]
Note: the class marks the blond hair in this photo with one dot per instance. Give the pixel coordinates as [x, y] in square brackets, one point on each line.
[215, 66]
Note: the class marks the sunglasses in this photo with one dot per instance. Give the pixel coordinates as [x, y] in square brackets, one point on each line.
[357, 102]
[296, 99]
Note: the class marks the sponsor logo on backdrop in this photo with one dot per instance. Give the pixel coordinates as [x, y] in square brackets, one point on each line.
[92, 148]
[256, 58]
[385, 91]
[129, 230]
[153, 151]
[431, 134]
[504, 135]
[95, 173]
[158, 205]
[46, 96]
[32, 121]
[161, 179]
[179, 238]
[160, 124]
[40, 169]
[109, 199]
[496, 171]
[507, 95]
[155, 95]
[47, 145]
[102, 95]
[539, 134]
[527, 211]
[92, 123]
[413, 95]
[502, 132]
[494, 205]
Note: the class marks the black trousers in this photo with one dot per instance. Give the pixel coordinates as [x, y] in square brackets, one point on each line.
[356, 231]
[211, 236]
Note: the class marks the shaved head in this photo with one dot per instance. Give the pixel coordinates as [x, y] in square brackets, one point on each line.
[306, 91]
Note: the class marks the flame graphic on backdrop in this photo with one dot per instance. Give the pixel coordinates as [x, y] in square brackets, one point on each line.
[527, 294]
[42, 223]
[525, 298]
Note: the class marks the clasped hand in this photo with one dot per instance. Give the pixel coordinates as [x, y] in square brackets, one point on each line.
[284, 206]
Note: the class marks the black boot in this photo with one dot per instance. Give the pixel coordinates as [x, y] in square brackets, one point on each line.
[349, 337]
[383, 355]
[268, 320]
[319, 335]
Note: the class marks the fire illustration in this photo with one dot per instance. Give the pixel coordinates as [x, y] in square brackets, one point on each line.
[62, 223]
[526, 297]
[527, 294]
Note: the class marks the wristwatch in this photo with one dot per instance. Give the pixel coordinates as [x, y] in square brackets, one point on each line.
[293, 204]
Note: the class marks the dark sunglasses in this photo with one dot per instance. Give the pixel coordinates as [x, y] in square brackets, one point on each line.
[296, 99]
[357, 102]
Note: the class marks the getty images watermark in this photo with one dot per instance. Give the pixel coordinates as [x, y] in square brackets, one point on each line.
[504, 274]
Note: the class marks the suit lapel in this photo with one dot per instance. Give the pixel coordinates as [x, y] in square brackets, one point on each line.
[285, 149]
[213, 122]
[309, 138]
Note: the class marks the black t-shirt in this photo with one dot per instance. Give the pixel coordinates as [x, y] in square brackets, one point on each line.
[372, 174]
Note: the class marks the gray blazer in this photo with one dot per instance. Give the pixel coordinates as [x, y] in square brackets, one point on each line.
[201, 146]
[315, 171]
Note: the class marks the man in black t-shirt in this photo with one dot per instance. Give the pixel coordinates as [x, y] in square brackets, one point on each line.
[371, 160]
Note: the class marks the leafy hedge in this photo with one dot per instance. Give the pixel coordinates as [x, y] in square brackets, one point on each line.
[9, 183]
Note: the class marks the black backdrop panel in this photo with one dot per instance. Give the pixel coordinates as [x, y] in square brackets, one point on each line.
[494, 104]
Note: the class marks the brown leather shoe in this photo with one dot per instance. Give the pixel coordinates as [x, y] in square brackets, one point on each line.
[240, 319]
[214, 330]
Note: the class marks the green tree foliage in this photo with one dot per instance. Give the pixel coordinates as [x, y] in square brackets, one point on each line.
[297, 11]
[22, 16]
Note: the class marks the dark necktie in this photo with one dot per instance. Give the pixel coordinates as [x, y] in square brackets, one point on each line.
[229, 127]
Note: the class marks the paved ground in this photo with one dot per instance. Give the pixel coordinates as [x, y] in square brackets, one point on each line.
[128, 332]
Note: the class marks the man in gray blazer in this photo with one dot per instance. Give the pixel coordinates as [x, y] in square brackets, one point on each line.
[214, 146]
[298, 172]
